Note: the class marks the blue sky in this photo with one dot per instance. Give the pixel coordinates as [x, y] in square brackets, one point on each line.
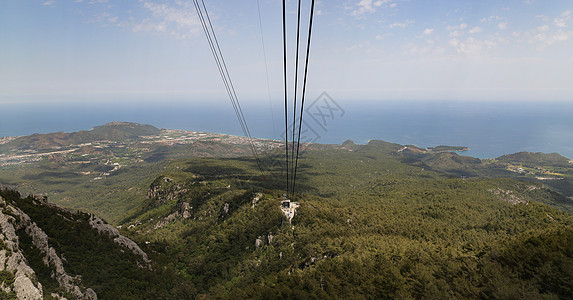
[362, 50]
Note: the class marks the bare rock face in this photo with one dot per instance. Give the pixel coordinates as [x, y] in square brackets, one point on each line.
[12, 260]
[25, 288]
[164, 190]
[12, 219]
[90, 294]
[51, 258]
[25, 285]
[259, 242]
[256, 199]
[185, 210]
[102, 227]
[131, 245]
[508, 196]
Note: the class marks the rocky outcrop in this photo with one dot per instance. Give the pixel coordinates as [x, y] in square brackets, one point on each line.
[12, 260]
[260, 241]
[256, 199]
[185, 210]
[51, 258]
[131, 245]
[508, 196]
[102, 227]
[164, 190]
[19, 277]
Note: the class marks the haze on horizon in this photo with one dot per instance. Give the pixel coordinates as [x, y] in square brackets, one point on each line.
[362, 49]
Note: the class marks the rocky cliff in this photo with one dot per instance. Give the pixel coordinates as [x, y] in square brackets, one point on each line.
[18, 278]
[39, 256]
[25, 284]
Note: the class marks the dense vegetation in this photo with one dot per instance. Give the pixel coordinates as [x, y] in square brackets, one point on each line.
[379, 220]
[369, 226]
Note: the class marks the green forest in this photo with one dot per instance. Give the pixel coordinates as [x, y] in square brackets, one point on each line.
[372, 222]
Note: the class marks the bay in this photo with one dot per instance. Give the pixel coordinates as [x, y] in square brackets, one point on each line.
[489, 128]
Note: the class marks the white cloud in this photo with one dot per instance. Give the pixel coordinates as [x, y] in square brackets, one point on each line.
[561, 21]
[475, 29]
[490, 19]
[49, 2]
[382, 36]
[179, 22]
[369, 6]
[501, 22]
[548, 39]
[460, 30]
[543, 18]
[461, 26]
[428, 31]
[544, 36]
[471, 46]
[401, 24]
[562, 36]
[456, 33]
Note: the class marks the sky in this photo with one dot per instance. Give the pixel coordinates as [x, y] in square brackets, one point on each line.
[362, 50]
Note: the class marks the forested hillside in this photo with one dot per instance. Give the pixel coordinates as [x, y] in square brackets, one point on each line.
[372, 223]
[380, 220]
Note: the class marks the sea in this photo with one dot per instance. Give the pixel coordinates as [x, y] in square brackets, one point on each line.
[488, 128]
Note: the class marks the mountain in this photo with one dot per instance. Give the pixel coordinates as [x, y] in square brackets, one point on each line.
[109, 176]
[200, 220]
[119, 131]
[538, 158]
[115, 131]
[367, 225]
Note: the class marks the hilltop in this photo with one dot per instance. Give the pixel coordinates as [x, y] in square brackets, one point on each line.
[115, 131]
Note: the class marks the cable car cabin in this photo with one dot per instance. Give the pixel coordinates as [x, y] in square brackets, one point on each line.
[286, 203]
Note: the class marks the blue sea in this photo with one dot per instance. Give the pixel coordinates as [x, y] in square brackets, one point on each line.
[488, 128]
